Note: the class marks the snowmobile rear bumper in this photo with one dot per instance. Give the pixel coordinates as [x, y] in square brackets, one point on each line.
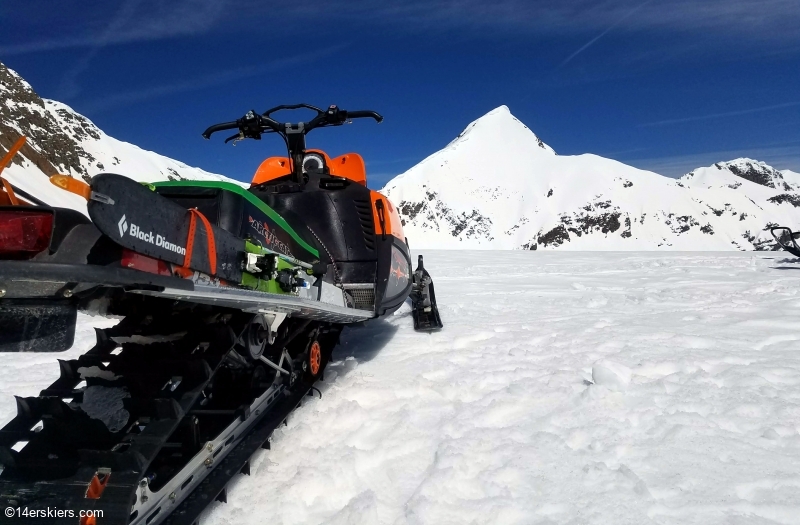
[39, 306]
[27, 279]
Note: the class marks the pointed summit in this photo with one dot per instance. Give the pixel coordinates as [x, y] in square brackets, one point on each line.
[504, 127]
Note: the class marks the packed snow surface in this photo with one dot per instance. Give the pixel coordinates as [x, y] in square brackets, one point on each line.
[566, 387]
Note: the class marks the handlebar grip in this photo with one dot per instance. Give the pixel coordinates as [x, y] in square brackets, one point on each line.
[219, 127]
[365, 114]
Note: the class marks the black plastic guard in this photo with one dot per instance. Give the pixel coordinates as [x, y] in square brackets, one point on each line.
[34, 325]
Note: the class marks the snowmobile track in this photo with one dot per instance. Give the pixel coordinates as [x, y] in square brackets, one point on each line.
[185, 432]
[214, 487]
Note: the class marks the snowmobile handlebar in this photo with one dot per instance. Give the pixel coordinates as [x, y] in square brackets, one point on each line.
[219, 127]
[252, 125]
[365, 114]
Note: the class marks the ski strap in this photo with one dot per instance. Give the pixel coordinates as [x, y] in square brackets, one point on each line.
[212, 248]
[5, 161]
[10, 191]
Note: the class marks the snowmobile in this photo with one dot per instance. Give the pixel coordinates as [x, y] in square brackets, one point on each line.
[786, 239]
[231, 298]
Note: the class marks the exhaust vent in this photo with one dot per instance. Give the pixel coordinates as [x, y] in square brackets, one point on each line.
[364, 209]
[360, 296]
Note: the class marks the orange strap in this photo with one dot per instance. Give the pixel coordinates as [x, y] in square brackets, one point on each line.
[10, 192]
[212, 247]
[5, 161]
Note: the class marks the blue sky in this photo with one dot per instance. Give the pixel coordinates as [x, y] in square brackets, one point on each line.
[665, 85]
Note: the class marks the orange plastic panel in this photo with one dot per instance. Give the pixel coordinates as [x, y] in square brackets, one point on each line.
[78, 187]
[271, 169]
[350, 166]
[391, 223]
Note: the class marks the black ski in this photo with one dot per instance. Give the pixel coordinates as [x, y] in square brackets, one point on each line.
[139, 219]
[423, 301]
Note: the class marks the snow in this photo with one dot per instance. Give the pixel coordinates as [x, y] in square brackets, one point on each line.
[566, 387]
[791, 177]
[498, 186]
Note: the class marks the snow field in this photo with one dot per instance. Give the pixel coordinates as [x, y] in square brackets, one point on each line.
[495, 419]
[566, 388]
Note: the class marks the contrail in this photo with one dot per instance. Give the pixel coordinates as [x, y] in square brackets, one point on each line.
[218, 78]
[719, 115]
[601, 35]
[69, 83]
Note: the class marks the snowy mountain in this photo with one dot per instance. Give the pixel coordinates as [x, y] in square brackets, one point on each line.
[497, 185]
[63, 141]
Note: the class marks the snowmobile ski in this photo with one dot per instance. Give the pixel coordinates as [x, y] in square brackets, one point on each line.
[423, 301]
[786, 238]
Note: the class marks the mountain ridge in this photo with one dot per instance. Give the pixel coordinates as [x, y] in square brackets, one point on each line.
[499, 186]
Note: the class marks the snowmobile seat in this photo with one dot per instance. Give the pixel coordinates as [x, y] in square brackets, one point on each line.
[239, 212]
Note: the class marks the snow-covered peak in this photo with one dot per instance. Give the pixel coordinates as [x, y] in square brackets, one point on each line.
[791, 178]
[737, 172]
[499, 126]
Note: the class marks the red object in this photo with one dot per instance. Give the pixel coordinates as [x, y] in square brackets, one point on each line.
[315, 357]
[97, 485]
[137, 261]
[24, 233]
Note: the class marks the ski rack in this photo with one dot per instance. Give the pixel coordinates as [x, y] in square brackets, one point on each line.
[787, 237]
[112, 477]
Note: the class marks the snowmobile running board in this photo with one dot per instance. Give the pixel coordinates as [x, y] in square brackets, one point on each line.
[253, 301]
[786, 239]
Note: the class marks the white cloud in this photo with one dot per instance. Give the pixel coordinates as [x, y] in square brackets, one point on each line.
[218, 78]
[712, 116]
[721, 21]
[135, 21]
